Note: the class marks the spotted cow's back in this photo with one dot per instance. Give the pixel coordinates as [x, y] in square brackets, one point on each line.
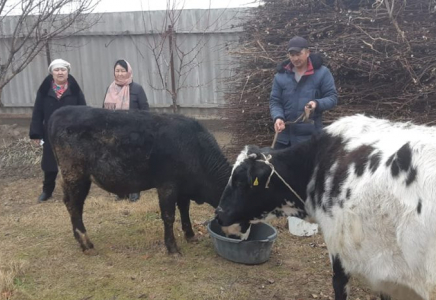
[377, 200]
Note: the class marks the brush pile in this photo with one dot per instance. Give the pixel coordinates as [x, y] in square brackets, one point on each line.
[18, 155]
[382, 54]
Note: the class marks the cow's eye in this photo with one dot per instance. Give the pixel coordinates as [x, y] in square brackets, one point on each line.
[239, 183]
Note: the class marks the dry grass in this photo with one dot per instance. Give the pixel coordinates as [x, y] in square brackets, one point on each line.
[131, 261]
[19, 157]
[21, 152]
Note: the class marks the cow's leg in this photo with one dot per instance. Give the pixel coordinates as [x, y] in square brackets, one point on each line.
[183, 205]
[167, 203]
[340, 279]
[385, 297]
[75, 192]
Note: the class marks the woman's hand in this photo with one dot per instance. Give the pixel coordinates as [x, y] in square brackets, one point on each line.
[37, 142]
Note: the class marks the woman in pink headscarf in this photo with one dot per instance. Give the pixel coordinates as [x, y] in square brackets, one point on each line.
[125, 94]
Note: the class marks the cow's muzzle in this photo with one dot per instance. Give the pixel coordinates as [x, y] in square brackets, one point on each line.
[222, 217]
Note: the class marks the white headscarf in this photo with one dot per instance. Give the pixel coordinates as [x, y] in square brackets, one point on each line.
[59, 63]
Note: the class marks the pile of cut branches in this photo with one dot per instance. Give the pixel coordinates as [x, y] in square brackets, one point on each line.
[19, 157]
[382, 54]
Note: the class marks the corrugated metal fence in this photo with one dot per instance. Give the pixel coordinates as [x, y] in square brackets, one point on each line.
[203, 39]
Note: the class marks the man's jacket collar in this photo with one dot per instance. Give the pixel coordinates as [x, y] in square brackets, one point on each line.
[315, 61]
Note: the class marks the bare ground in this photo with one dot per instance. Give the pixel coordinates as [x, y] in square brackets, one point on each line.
[39, 258]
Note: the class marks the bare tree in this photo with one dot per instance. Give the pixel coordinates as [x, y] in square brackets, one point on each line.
[32, 24]
[175, 57]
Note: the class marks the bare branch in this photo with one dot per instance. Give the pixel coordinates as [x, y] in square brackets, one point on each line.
[39, 22]
[174, 53]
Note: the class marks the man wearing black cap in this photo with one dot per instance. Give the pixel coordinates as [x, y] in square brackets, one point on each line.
[300, 82]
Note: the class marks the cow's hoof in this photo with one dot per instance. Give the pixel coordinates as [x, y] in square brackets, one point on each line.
[176, 254]
[174, 251]
[90, 252]
[193, 239]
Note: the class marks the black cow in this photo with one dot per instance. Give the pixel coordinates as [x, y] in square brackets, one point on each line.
[127, 151]
[368, 183]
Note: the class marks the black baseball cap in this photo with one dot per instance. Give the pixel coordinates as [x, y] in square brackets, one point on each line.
[297, 43]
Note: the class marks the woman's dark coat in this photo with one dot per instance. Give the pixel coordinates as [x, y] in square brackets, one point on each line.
[138, 99]
[45, 104]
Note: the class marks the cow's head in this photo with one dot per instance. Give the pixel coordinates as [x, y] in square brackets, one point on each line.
[253, 193]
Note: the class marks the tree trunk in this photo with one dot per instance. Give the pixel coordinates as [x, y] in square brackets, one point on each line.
[173, 80]
[174, 106]
[1, 103]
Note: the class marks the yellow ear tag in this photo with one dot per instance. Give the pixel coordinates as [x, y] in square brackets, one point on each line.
[256, 182]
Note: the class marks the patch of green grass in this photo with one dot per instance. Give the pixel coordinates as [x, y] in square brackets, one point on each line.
[11, 277]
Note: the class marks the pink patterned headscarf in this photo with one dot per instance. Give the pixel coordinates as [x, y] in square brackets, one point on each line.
[118, 93]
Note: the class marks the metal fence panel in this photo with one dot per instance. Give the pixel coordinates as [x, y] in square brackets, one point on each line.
[131, 36]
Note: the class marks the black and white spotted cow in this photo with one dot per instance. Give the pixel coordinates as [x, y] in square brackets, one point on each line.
[370, 184]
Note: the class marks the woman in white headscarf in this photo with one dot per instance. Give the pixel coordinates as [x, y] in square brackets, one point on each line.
[125, 94]
[58, 89]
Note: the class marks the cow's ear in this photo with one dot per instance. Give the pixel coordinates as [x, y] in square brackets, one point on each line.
[255, 182]
[250, 180]
[253, 177]
[258, 174]
[250, 177]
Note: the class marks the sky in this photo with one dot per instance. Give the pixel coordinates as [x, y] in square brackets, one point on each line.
[13, 6]
[133, 5]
